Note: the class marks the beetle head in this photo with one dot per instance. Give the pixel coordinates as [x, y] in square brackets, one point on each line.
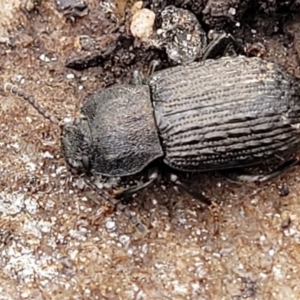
[76, 145]
[75, 136]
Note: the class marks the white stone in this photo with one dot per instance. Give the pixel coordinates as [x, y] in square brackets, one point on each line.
[142, 23]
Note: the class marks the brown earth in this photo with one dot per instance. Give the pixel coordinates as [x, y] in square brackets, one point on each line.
[56, 243]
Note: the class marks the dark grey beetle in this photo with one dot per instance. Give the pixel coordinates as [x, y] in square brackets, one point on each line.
[210, 115]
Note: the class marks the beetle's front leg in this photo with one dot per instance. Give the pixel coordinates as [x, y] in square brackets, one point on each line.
[125, 193]
[119, 206]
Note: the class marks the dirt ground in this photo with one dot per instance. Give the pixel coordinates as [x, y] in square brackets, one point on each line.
[56, 243]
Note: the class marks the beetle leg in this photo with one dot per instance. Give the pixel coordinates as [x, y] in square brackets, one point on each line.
[152, 67]
[213, 206]
[119, 206]
[215, 212]
[174, 178]
[223, 44]
[125, 193]
[286, 166]
[137, 78]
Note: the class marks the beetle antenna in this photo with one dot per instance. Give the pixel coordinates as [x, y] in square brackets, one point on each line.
[8, 87]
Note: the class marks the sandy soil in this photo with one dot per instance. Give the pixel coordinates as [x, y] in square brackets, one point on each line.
[56, 243]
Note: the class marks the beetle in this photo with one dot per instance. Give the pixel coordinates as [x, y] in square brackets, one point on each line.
[228, 113]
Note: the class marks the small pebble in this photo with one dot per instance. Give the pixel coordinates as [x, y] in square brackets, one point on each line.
[70, 76]
[44, 58]
[142, 23]
[286, 219]
[286, 223]
[232, 11]
[284, 190]
[110, 225]
[20, 78]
